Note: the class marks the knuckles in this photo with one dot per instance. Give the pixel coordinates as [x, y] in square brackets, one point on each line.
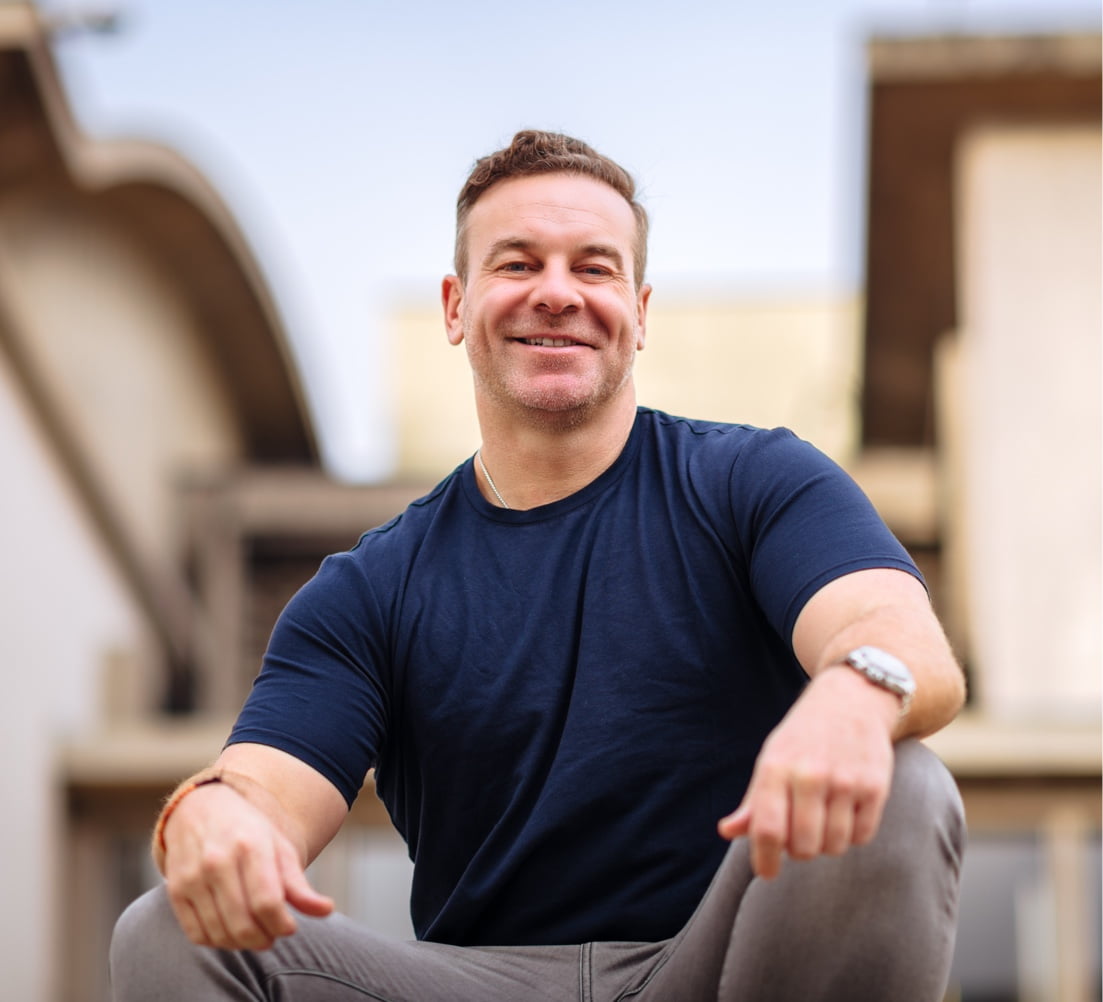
[246, 935]
[214, 862]
[272, 915]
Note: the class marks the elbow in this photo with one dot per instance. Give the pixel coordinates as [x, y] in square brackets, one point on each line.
[946, 698]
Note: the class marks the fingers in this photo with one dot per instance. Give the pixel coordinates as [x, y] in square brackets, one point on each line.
[735, 824]
[236, 892]
[764, 816]
[231, 875]
[809, 792]
[297, 889]
[839, 825]
[198, 915]
[867, 819]
[231, 902]
[263, 911]
[803, 813]
[821, 778]
[200, 903]
[771, 822]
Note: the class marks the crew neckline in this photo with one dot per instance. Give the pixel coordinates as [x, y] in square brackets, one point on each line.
[518, 516]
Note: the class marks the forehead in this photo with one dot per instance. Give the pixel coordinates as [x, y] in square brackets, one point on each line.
[551, 207]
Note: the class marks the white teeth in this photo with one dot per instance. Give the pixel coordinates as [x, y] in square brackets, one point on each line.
[549, 342]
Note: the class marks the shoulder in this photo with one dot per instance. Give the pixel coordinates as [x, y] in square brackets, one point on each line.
[752, 476]
[719, 446]
[660, 423]
[704, 433]
[383, 553]
[410, 525]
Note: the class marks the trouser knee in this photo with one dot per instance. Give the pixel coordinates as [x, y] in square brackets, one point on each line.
[846, 917]
[913, 865]
[924, 808]
[144, 931]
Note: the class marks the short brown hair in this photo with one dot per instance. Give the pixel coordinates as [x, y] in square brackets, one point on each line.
[533, 152]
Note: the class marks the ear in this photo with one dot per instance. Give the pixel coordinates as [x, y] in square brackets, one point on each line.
[642, 299]
[451, 297]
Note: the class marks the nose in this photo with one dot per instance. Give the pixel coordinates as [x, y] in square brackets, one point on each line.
[556, 290]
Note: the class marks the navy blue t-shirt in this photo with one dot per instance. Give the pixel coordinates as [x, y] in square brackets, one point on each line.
[560, 703]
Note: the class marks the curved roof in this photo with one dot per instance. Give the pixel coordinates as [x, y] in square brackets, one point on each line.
[180, 222]
[181, 227]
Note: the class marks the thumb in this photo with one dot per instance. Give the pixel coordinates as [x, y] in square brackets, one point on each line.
[735, 824]
[297, 890]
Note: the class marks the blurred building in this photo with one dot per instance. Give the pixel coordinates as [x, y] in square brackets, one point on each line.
[165, 497]
[141, 360]
[982, 353]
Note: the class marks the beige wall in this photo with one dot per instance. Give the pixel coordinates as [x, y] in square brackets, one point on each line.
[793, 363]
[114, 341]
[1030, 265]
[65, 612]
[115, 349]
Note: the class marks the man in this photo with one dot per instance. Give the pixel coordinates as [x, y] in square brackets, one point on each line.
[606, 646]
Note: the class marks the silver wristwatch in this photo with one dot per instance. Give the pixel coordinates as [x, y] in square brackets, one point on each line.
[882, 669]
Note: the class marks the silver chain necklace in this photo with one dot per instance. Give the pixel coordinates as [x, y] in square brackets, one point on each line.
[490, 480]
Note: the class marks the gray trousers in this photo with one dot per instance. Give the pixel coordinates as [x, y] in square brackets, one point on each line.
[874, 925]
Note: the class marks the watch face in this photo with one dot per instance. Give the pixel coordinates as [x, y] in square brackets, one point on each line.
[883, 668]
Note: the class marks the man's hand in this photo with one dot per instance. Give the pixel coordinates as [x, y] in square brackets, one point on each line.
[822, 777]
[234, 851]
[232, 876]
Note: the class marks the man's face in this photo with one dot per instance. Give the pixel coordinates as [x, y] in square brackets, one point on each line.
[549, 309]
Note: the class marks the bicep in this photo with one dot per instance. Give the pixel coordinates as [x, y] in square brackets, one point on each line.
[309, 803]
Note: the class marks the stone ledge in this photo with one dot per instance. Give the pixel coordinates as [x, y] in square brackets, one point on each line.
[974, 746]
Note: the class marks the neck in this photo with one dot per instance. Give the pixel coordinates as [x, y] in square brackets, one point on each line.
[533, 466]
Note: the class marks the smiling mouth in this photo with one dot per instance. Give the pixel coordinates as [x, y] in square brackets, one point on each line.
[549, 342]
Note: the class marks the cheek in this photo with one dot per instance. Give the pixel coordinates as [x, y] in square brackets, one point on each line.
[489, 310]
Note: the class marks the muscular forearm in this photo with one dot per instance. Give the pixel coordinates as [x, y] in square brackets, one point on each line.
[893, 614]
[922, 646]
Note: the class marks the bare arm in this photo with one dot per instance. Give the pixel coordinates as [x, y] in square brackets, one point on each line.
[822, 777]
[235, 851]
[888, 609]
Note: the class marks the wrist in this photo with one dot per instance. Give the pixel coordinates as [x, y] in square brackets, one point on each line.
[174, 799]
[864, 697]
[240, 783]
[883, 670]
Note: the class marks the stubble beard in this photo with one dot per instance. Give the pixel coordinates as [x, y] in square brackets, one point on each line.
[546, 408]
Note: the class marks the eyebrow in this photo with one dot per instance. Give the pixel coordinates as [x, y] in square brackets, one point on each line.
[507, 244]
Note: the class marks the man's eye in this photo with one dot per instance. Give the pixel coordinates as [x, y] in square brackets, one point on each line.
[515, 266]
[594, 269]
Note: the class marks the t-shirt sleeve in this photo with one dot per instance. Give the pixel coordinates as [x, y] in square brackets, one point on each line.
[802, 522]
[318, 695]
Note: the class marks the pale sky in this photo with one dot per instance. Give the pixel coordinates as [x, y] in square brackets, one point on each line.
[339, 132]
